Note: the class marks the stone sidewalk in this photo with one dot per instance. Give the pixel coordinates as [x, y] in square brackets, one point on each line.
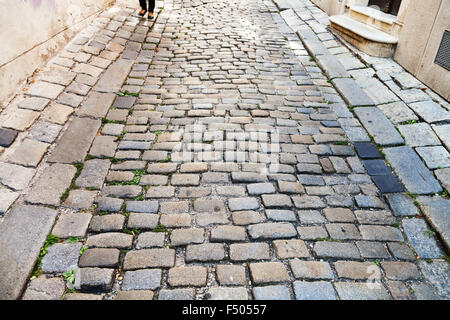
[215, 154]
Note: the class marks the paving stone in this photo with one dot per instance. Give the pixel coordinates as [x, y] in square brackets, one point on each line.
[75, 141]
[312, 233]
[268, 272]
[142, 206]
[435, 209]
[222, 293]
[436, 273]
[443, 132]
[290, 249]
[36, 104]
[372, 250]
[382, 217]
[110, 240]
[240, 204]
[260, 188]
[44, 131]
[308, 202]
[443, 175]
[28, 153]
[317, 290]
[43, 288]
[56, 113]
[194, 192]
[398, 290]
[7, 137]
[430, 111]
[230, 275]
[376, 167]
[421, 239]
[82, 296]
[149, 258]
[276, 201]
[342, 231]
[352, 93]
[109, 204]
[144, 221]
[17, 119]
[51, 184]
[327, 249]
[21, 249]
[176, 220]
[180, 237]
[107, 258]
[187, 276]
[61, 257]
[380, 233]
[402, 204]
[176, 294]
[134, 295]
[271, 293]
[339, 215]
[378, 126]
[142, 280]
[419, 135]
[401, 251]
[400, 270]
[121, 191]
[228, 233]
[310, 217]
[311, 269]
[80, 199]
[44, 89]
[398, 112]
[72, 225]
[107, 223]
[424, 291]
[247, 217]
[271, 230]
[249, 251]
[114, 77]
[96, 105]
[367, 150]
[94, 279]
[205, 252]
[185, 180]
[7, 198]
[361, 291]
[281, 215]
[357, 270]
[150, 240]
[103, 147]
[212, 205]
[434, 157]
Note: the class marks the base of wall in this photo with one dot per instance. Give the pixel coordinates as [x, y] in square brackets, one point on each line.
[15, 74]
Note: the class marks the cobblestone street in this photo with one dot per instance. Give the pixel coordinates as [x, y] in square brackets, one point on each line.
[230, 149]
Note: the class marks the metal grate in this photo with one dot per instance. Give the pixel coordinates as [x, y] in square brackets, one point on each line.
[443, 54]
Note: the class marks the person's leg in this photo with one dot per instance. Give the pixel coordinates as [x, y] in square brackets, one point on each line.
[143, 4]
[151, 8]
[151, 5]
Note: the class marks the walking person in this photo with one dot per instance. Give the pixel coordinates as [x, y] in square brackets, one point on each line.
[150, 8]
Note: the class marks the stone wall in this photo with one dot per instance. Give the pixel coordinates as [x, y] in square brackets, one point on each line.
[32, 31]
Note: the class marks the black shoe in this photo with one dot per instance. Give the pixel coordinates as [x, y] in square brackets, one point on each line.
[150, 15]
[142, 12]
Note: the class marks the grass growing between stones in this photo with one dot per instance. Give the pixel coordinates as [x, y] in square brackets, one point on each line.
[51, 239]
[79, 166]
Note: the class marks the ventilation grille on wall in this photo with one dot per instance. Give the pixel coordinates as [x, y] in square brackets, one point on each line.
[443, 55]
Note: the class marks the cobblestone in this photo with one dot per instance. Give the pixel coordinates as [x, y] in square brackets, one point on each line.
[231, 168]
